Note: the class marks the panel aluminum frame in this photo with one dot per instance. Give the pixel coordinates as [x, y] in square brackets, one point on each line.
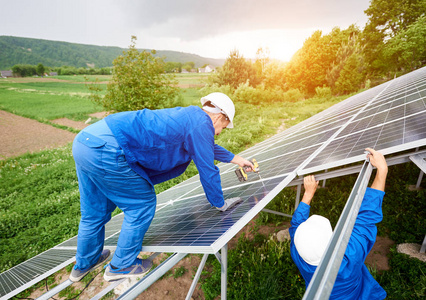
[325, 274]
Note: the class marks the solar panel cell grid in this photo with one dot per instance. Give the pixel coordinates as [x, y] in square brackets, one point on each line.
[390, 116]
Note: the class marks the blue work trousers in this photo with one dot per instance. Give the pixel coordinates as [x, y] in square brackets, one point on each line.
[106, 181]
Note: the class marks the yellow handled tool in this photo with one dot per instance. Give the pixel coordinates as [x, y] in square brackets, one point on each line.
[241, 171]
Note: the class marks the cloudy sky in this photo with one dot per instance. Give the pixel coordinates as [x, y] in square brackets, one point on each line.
[210, 28]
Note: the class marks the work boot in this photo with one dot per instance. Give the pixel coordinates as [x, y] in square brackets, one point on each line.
[139, 269]
[77, 274]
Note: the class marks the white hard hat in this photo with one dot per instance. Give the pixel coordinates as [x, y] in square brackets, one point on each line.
[222, 101]
[312, 237]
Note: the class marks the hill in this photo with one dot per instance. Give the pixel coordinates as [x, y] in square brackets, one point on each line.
[18, 50]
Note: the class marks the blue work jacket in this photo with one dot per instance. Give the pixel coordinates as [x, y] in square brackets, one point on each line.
[353, 280]
[160, 144]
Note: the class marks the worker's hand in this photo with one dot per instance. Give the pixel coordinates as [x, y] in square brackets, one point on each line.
[230, 203]
[310, 185]
[378, 160]
[242, 162]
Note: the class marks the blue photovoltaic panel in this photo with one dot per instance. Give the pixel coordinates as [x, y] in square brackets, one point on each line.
[24, 275]
[389, 117]
[394, 121]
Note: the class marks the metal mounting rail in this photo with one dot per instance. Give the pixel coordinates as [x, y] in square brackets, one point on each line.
[324, 277]
[153, 276]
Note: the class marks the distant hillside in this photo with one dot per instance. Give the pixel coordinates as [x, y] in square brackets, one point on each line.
[17, 50]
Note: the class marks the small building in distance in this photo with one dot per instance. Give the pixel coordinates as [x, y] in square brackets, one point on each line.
[6, 74]
[53, 74]
[207, 69]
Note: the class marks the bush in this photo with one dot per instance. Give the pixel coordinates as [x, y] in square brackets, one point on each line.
[235, 71]
[323, 92]
[212, 88]
[138, 82]
[293, 95]
[248, 94]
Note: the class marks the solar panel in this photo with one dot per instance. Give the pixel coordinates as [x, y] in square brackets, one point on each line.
[24, 275]
[392, 122]
[389, 117]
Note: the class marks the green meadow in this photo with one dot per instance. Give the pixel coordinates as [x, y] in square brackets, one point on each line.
[39, 198]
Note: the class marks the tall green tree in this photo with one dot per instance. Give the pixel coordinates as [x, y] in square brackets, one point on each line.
[138, 82]
[235, 71]
[348, 71]
[386, 20]
[40, 69]
[308, 67]
[262, 60]
[406, 51]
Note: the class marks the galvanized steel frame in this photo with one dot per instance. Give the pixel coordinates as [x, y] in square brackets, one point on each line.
[324, 277]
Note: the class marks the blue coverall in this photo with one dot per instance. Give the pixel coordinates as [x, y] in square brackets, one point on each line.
[353, 280]
[121, 158]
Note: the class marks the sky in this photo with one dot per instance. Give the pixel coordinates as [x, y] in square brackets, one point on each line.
[209, 28]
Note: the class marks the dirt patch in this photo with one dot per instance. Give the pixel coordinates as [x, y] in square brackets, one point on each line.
[70, 123]
[80, 125]
[20, 135]
[99, 115]
[170, 288]
[378, 256]
[187, 86]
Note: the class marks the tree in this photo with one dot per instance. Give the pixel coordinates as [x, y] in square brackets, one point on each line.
[386, 20]
[235, 71]
[138, 82]
[348, 72]
[407, 49]
[262, 59]
[308, 67]
[173, 67]
[24, 70]
[273, 75]
[40, 69]
[188, 66]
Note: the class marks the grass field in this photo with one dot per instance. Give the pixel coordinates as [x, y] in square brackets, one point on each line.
[39, 200]
[43, 100]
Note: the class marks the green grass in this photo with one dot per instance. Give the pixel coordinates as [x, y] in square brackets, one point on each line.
[45, 106]
[39, 204]
[82, 78]
[192, 78]
[50, 88]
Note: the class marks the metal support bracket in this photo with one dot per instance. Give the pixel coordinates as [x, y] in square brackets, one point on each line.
[419, 160]
[423, 248]
[152, 276]
[197, 277]
[324, 277]
[50, 293]
[224, 272]
[218, 258]
[299, 190]
[276, 213]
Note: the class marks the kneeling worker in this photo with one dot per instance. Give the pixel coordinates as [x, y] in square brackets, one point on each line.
[310, 237]
[119, 160]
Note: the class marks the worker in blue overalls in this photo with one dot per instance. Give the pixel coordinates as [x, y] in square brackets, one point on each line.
[119, 160]
[311, 235]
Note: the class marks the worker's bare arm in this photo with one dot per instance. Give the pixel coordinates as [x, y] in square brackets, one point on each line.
[378, 160]
[242, 162]
[310, 185]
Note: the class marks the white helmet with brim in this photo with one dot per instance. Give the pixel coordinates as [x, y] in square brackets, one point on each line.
[312, 237]
[223, 103]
